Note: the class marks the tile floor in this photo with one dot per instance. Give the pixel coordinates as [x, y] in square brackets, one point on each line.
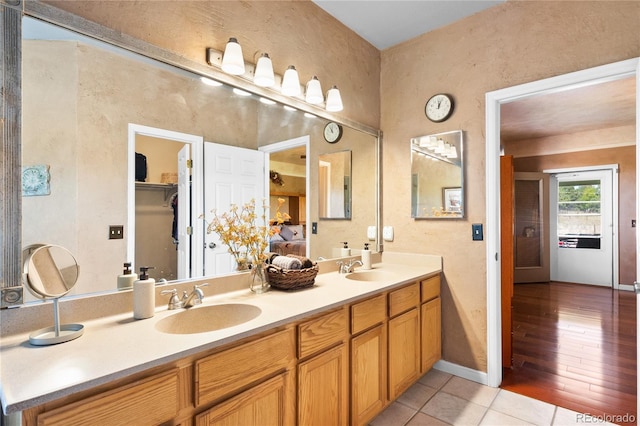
[442, 399]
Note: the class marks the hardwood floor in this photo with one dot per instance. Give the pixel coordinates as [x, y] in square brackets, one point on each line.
[575, 346]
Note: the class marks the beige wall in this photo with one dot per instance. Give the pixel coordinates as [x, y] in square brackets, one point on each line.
[510, 44]
[292, 32]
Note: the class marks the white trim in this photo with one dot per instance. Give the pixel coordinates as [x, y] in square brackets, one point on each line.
[283, 146]
[197, 236]
[493, 101]
[461, 371]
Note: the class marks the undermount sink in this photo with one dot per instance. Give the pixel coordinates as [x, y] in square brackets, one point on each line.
[203, 319]
[370, 275]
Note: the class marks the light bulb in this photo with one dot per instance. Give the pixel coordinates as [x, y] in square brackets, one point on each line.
[232, 60]
[291, 82]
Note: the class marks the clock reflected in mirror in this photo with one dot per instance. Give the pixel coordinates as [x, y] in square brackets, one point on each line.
[35, 180]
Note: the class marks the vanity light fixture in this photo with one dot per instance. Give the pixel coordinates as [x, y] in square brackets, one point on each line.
[291, 82]
[263, 75]
[314, 91]
[334, 101]
[232, 60]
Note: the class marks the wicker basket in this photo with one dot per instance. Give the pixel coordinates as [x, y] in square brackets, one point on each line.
[291, 279]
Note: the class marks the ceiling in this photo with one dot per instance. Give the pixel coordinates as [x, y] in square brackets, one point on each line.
[386, 23]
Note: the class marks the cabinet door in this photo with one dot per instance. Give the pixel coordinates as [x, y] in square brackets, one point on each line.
[322, 389]
[404, 352]
[265, 404]
[431, 333]
[368, 374]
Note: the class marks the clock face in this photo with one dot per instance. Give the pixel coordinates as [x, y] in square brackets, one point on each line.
[332, 132]
[439, 108]
[35, 180]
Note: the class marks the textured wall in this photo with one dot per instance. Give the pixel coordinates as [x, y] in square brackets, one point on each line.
[510, 44]
[293, 33]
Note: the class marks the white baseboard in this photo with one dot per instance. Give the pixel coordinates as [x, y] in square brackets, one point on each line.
[461, 371]
[626, 287]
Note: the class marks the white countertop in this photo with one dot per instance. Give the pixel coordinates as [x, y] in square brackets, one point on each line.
[118, 346]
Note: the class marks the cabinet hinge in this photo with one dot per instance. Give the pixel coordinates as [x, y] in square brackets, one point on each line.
[189, 230]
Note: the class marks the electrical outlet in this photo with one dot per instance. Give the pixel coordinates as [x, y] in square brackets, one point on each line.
[116, 232]
[371, 233]
[387, 233]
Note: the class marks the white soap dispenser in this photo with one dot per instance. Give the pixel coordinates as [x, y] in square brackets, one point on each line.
[144, 295]
[125, 281]
[346, 251]
[365, 256]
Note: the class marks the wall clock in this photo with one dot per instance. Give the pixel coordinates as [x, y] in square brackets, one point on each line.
[439, 107]
[35, 180]
[332, 132]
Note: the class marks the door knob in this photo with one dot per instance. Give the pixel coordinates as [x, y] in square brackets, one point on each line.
[212, 245]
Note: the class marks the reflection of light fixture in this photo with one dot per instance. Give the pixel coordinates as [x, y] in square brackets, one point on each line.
[232, 60]
[267, 101]
[439, 149]
[263, 75]
[334, 101]
[210, 82]
[452, 152]
[314, 91]
[240, 92]
[291, 82]
[288, 108]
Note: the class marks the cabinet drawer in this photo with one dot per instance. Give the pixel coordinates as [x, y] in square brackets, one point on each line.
[153, 401]
[223, 373]
[368, 313]
[322, 332]
[404, 299]
[430, 288]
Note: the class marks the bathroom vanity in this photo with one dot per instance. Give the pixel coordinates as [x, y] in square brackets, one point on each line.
[337, 353]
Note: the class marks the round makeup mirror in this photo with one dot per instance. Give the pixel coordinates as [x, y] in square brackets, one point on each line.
[50, 272]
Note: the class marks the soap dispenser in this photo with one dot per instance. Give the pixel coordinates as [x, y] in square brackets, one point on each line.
[125, 281]
[365, 256]
[144, 295]
[346, 251]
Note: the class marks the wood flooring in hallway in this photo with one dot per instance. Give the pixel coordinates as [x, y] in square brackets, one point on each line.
[575, 346]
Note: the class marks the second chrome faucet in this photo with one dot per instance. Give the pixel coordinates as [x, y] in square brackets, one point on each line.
[188, 300]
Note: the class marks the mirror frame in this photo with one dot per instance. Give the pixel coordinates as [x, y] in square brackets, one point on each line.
[462, 174]
[11, 14]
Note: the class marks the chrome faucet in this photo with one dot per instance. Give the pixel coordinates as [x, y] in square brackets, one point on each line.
[346, 268]
[195, 298]
[174, 300]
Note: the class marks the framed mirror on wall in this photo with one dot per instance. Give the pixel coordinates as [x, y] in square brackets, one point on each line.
[87, 155]
[334, 185]
[437, 176]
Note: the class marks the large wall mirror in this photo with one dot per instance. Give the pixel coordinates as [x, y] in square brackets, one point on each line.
[437, 176]
[334, 185]
[80, 97]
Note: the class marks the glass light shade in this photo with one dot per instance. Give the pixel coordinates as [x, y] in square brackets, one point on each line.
[314, 91]
[264, 72]
[232, 59]
[334, 101]
[291, 82]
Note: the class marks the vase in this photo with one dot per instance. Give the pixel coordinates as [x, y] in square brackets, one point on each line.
[242, 264]
[259, 278]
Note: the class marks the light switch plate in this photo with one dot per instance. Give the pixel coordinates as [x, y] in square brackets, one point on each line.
[371, 233]
[387, 233]
[476, 229]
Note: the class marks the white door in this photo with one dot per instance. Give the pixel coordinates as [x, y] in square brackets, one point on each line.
[183, 227]
[582, 227]
[232, 175]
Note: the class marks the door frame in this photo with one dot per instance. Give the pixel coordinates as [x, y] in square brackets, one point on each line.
[197, 144]
[614, 169]
[283, 146]
[493, 101]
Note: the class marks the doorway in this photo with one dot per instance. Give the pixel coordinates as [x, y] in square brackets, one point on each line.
[584, 227]
[494, 100]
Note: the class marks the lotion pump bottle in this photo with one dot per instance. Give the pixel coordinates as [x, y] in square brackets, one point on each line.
[366, 257]
[127, 278]
[346, 251]
[144, 295]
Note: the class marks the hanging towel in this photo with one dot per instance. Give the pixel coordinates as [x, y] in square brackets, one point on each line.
[286, 262]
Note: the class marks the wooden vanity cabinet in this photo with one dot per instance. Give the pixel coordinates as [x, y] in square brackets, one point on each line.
[323, 368]
[368, 359]
[431, 323]
[404, 339]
